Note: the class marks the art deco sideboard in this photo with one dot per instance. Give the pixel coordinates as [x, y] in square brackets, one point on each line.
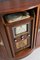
[18, 27]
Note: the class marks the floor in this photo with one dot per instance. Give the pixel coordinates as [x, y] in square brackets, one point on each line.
[35, 55]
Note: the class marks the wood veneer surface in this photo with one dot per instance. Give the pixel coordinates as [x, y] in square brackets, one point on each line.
[38, 35]
[38, 40]
[9, 6]
[23, 53]
[3, 53]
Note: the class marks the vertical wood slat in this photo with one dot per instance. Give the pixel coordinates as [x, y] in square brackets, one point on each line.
[36, 27]
[10, 37]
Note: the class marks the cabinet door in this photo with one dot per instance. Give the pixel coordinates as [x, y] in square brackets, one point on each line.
[3, 52]
[38, 35]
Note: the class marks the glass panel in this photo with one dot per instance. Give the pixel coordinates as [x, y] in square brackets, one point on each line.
[21, 29]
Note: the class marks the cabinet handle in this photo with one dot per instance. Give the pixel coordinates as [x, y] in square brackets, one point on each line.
[1, 43]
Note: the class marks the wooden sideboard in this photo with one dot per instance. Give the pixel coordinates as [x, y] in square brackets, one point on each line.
[13, 6]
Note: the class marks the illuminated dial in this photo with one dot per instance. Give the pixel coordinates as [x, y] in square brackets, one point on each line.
[20, 29]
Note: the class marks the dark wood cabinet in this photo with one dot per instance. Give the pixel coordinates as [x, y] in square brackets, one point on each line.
[12, 40]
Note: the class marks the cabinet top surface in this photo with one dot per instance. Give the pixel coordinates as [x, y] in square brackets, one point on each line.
[18, 0]
[16, 5]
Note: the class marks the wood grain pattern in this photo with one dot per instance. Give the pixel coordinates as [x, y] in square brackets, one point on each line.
[5, 40]
[17, 5]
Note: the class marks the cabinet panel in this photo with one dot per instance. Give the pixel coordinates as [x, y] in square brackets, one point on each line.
[3, 52]
[38, 35]
[38, 40]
